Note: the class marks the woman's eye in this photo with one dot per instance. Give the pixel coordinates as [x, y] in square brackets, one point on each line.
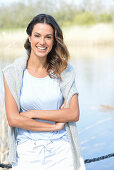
[36, 35]
[49, 37]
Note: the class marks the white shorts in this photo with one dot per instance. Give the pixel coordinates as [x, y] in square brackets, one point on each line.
[44, 155]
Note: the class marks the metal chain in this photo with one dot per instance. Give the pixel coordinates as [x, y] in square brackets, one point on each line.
[6, 166]
[99, 158]
[86, 161]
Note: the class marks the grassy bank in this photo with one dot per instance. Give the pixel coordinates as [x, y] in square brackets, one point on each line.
[98, 35]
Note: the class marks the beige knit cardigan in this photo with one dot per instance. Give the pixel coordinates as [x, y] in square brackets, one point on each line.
[13, 75]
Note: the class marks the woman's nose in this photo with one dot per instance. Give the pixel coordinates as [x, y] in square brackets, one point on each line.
[42, 40]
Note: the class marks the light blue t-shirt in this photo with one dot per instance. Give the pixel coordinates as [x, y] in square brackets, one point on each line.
[40, 94]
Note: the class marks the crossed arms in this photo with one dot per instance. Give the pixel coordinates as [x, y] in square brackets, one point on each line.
[25, 120]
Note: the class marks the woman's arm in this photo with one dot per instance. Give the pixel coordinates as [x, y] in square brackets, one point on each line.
[18, 120]
[60, 115]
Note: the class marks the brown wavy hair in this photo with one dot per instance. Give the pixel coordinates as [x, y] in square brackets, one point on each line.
[57, 58]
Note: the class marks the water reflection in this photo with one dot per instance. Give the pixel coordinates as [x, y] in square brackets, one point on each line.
[95, 77]
[95, 82]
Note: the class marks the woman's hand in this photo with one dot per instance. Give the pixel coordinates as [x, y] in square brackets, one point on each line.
[28, 114]
[59, 126]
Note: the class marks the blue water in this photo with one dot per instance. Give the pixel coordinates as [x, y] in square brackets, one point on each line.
[95, 82]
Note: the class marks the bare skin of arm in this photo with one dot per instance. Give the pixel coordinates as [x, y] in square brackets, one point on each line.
[15, 119]
[60, 115]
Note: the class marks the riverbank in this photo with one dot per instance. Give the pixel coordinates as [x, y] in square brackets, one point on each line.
[100, 35]
[96, 35]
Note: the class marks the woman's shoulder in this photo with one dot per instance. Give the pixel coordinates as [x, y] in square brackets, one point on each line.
[9, 68]
[68, 71]
[19, 62]
[68, 75]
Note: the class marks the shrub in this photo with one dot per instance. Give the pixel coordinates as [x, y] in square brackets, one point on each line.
[86, 18]
[105, 18]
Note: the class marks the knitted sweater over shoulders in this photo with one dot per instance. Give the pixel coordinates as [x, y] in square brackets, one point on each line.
[13, 75]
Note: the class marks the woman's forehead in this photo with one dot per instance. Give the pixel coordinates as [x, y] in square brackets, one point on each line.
[42, 28]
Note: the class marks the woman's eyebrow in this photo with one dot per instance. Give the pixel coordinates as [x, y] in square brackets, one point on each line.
[39, 33]
[36, 33]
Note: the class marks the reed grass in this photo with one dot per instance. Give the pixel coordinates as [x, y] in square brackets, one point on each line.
[96, 35]
[12, 42]
[101, 34]
[3, 136]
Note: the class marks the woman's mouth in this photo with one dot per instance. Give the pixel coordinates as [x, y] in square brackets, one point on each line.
[42, 48]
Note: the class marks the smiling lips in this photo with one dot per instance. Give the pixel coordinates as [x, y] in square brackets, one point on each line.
[42, 48]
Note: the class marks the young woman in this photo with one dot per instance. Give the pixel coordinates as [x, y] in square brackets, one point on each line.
[41, 102]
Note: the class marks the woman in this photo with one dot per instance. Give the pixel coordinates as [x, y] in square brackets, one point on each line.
[43, 105]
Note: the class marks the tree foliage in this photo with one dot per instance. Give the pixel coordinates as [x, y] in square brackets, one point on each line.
[18, 15]
[85, 18]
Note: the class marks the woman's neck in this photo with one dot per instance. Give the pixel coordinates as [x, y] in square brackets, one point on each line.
[36, 63]
[37, 67]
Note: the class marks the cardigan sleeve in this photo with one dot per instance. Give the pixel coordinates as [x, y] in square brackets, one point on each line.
[9, 74]
[68, 83]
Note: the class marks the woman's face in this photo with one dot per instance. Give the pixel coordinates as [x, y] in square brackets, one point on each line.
[42, 39]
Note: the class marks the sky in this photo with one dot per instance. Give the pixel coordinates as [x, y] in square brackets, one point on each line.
[108, 3]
